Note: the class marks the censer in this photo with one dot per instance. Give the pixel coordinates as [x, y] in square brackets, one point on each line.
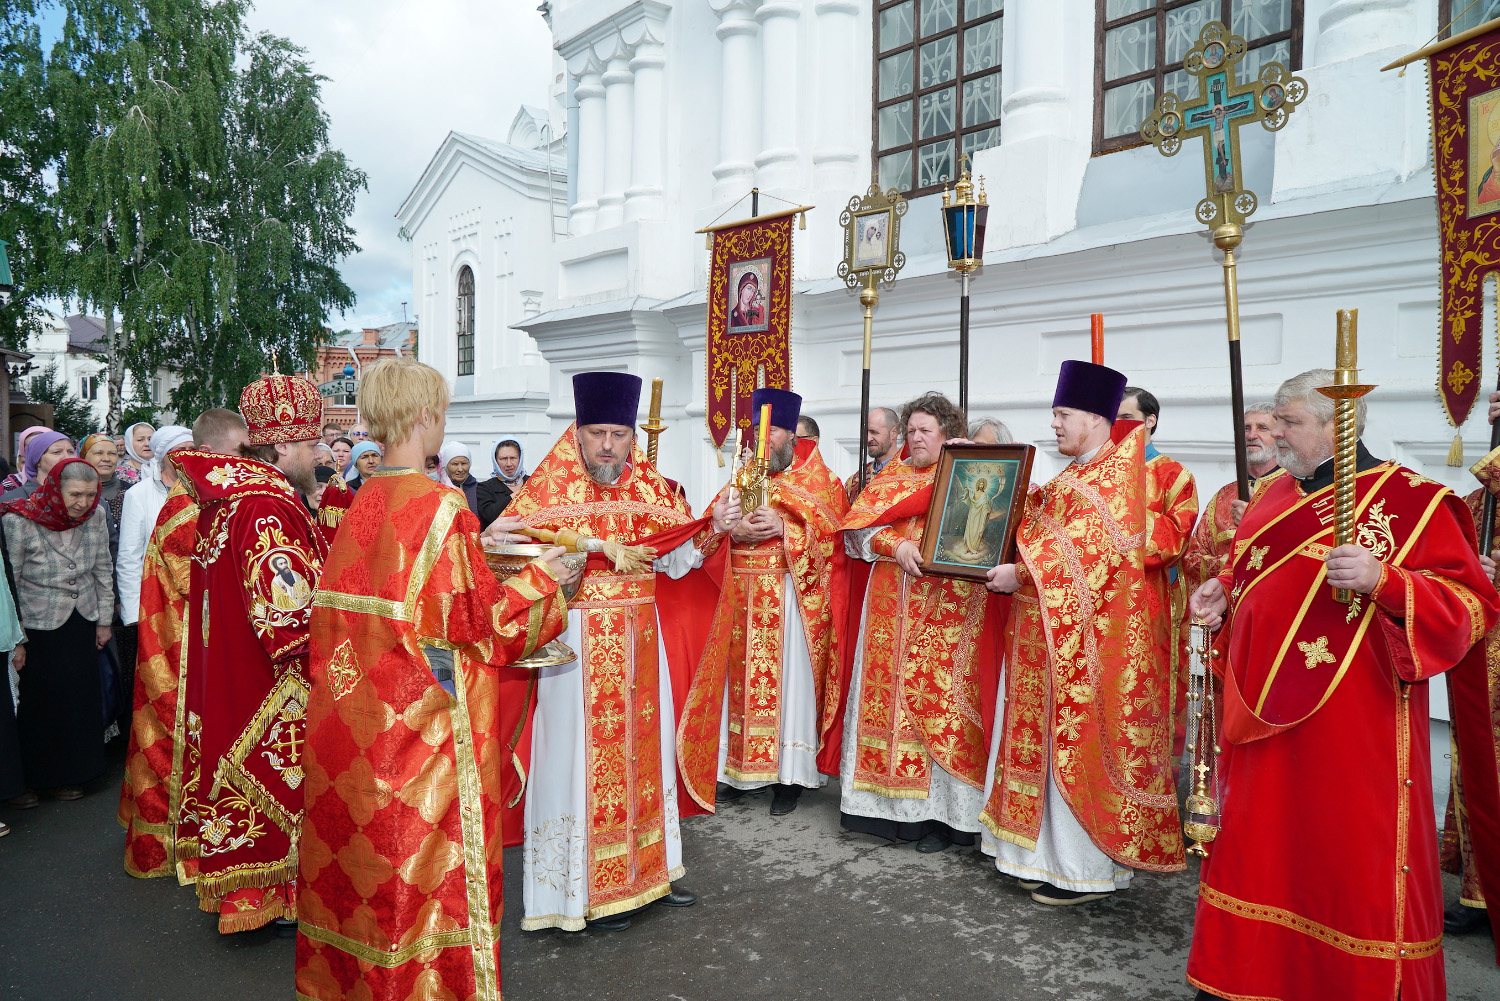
[1202, 824]
[505, 561]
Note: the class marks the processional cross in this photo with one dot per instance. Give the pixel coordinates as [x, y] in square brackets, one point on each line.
[1223, 106]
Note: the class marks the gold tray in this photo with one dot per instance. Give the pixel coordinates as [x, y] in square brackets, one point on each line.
[505, 561]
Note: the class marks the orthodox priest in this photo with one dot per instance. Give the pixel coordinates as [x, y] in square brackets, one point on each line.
[601, 815]
[400, 861]
[1325, 719]
[754, 715]
[151, 795]
[1080, 781]
[1212, 538]
[255, 567]
[915, 728]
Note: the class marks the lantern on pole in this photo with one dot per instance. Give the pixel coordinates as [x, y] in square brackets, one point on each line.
[964, 216]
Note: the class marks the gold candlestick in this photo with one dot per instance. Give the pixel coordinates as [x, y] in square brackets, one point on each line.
[1345, 392]
[752, 476]
[653, 426]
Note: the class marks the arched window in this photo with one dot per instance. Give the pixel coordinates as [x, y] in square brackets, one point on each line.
[465, 321]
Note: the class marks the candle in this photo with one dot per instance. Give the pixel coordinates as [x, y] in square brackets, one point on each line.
[1347, 339]
[655, 410]
[1096, 337]
[764, 430]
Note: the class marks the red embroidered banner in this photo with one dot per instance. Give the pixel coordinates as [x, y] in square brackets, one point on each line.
[1466, 148]
[749, 319]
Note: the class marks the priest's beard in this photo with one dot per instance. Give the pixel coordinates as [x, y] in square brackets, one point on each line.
[781, 458]
[606, 473]
[1299, 466]
[1256, 453]
[304, 478]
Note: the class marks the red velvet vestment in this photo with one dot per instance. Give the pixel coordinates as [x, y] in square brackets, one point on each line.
[1323, 881]
[745, 643]
[331, 509]
[1087, 694]
[256, 565]
[400, 891]
[152, 791]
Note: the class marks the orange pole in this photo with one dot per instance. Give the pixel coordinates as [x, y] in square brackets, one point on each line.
[1096, 337]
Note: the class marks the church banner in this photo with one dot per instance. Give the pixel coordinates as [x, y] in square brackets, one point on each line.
[749, 318]
[1466, 151]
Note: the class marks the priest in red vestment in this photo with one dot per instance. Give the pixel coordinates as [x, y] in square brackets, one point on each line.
[401, 885]
[1212, 538]
[255, 567]
[922, 687]
[151, 795]
[1323, 881]
[755, 715]
[1080, 783]
[601, 816]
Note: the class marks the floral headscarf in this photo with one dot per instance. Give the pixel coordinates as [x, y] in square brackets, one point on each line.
[45, 504]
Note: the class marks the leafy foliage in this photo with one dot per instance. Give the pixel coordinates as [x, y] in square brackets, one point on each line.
[27, 146]
[70, 414]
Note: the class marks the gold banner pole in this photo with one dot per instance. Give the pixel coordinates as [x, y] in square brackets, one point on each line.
[1345, 392]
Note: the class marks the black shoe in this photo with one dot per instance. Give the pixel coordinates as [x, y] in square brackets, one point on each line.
[724, 793]
[28, 800]
[678, 898]
[615, 922]
[784, 800]
[285, 927]
[1058, 897]
[1461, 919]
[937, 841]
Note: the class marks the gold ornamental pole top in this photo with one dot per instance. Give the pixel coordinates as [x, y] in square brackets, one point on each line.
[1346, 354]
[653, 425]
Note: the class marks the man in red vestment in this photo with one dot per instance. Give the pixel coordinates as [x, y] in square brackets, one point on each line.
[401, 885]
[1209, 549]
[256, 567]
[601, 817]
[882, 444]
[1324, 726]
[755, 715]
[151, 795]
[1081, 791]
[922, 689]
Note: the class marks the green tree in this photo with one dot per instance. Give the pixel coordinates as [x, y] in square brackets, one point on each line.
[70, 414]
[27, 146]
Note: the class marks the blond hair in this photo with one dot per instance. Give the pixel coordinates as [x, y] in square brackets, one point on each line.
[392, 394]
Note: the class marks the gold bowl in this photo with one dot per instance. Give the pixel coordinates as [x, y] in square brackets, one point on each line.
[505, 561]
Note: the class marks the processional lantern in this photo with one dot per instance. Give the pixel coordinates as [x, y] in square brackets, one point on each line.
[872, 254]
[964, 218]
[1224, 105]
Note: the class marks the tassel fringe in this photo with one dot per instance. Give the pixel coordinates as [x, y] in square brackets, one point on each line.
[1456, 451]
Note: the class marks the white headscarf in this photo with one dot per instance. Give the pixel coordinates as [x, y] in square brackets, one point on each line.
[512, 481]
[163, 440]
[130, 443]
[451, 450]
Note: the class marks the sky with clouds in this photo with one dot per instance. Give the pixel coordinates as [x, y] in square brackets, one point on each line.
[401, 76]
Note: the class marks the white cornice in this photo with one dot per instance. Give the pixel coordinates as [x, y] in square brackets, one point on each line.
[588, 33]
[458, 150]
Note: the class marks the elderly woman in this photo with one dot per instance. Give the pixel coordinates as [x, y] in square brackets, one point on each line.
[990, 431]
[57, 540]
[98, 450]
[137, 451]
[43, 451]
[143, 502]
[454, 461]
[17, 477]
[323, 457]
[366, 459]
[494, 494]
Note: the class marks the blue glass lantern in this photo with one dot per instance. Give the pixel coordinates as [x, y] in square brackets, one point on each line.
[964, 216]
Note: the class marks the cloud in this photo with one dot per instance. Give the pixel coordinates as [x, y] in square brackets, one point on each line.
[401, 76]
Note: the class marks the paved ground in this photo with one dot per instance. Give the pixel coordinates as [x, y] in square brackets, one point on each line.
[790, 909]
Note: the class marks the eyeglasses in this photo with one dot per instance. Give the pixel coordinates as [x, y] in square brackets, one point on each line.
[359, 434]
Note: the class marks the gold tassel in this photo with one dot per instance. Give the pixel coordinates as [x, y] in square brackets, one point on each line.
[1456, 450]
[720, 456]
[708, 241]
[801, 220]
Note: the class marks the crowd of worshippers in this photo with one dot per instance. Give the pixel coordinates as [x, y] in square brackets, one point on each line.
[341, 713]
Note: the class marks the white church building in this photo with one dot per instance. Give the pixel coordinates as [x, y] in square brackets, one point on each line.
[572, 245]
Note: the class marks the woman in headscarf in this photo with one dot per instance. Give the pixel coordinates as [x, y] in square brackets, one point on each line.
[323, 457]
[57, 541]
[343, 451]
[454, 461]
[98, 450]
[43, 451]
[508, 479]
[143, 502]
[16, 477]
[365, 459]
[137, 452]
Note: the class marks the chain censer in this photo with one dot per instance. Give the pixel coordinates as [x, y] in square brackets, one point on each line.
[1202, 824]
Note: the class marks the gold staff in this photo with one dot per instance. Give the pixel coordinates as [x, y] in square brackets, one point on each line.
[653, 426]
[1345, 392]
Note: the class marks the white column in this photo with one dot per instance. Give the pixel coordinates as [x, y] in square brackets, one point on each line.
[777, 160]
[1035, 96]
[835, 157]
[618, 111]
[590, 139]
[643, 199]
[739, 91]
[1349, 28]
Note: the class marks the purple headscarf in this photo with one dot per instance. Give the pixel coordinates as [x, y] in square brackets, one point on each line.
[38, 444]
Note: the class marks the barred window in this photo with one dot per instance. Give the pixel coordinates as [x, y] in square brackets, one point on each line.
[465, 321]
[937, 88]
[1463, 20]
[1140, 45]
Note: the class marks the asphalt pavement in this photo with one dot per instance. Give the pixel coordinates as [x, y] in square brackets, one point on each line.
[791, 908]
